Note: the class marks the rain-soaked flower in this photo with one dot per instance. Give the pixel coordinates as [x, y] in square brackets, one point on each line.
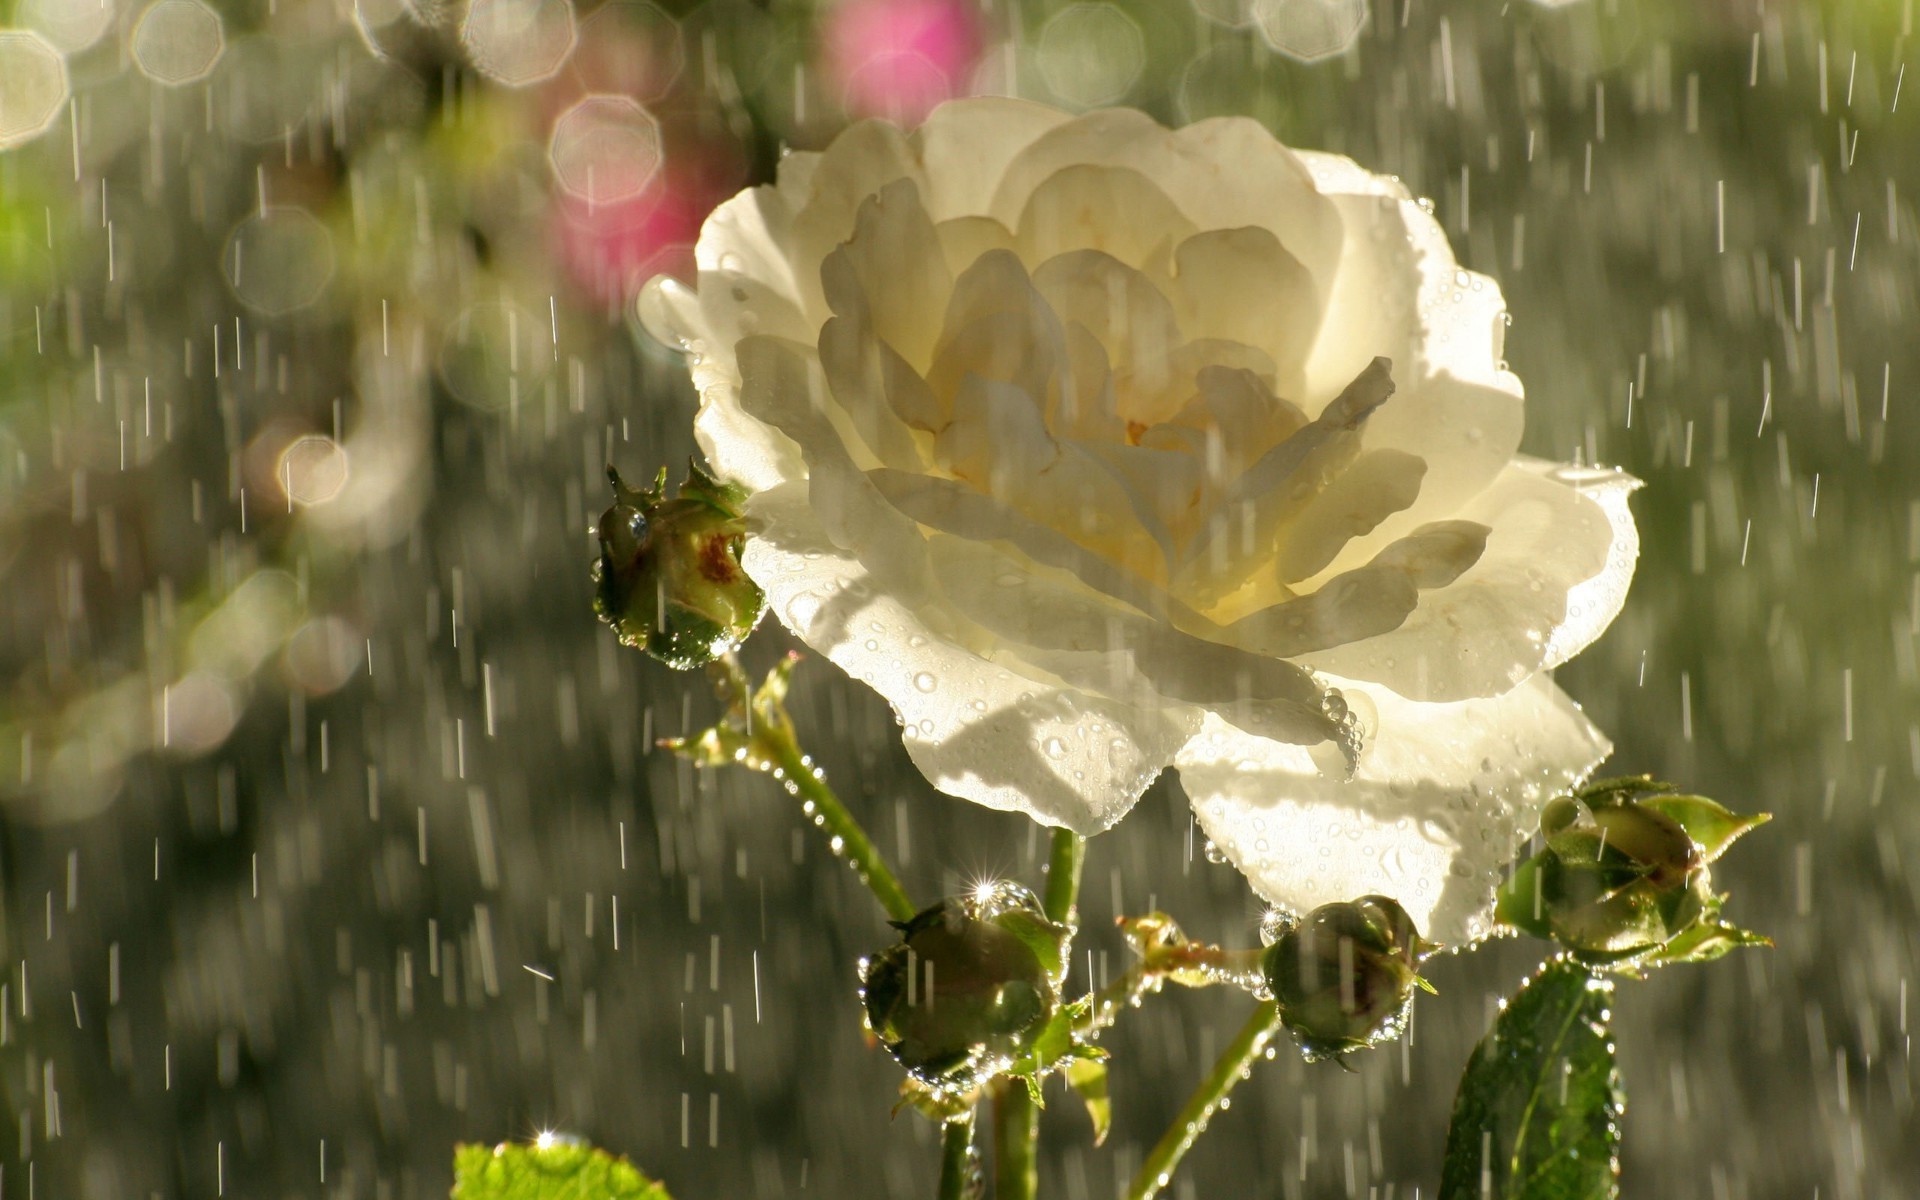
[1097, 447]
[1345, 974]
[669, 572]
[970, 982]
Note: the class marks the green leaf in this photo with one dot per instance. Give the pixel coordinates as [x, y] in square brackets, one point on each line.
[1705, 942]
[1519, 903]
[552, 1169]
[1088, 1078]
[1537, 1116]
[1706, 822]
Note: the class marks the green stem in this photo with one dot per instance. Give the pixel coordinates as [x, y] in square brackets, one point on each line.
[956, 1144]
[1068, 855]
[1016, 1127]
[844, 834]
[1192, 964]
[1252, 1040]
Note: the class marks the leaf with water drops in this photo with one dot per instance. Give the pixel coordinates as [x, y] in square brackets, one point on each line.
[549, 1169]
[1537, 1116]
[1088, 1078]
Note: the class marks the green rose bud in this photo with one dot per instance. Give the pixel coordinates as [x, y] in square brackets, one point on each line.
[1623, 879]
[1344, 975]
[970, 983]
[669, 573]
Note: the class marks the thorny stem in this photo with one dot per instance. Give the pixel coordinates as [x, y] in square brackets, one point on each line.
[1016, 1128]
[1157, 1171]
[956, 1145]
[1068, 855]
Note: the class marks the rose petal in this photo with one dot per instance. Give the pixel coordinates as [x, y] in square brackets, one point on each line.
[1592, 606]
[1240, 285]
[964, 239]
[1399, 292]
[1374, 486]
[1443, 796]
[998, 327]
[1087, 640]
[892, 272]
[1240, 529]
[1128, 315]
[877, 391]
[1221, 174]
[1117, 211]
[1501, 621]
[1366, 602]
[955, 508]
[965, 147]
[783, 385]
[977, 730]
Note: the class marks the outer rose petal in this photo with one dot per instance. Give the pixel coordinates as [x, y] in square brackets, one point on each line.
[1443, 796]
[1222, 174]
[1555, 529]
[976, 729]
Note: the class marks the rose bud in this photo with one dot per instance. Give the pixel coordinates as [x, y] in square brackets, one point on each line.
[669, 574]
[1623, 879]
[970, 982]
[1344, 975]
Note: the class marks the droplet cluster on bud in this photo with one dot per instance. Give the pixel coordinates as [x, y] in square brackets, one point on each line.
[669, 574]
[971, 981]
[1623, 879]
[1345, 974]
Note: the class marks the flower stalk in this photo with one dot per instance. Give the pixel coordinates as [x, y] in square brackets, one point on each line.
[845, 835]
[1065, 859]
[956, 1156]
[757, 732]
[1251, 1042]
[1016, 1129]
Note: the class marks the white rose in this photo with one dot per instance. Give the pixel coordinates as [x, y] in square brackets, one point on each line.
[1096, 447]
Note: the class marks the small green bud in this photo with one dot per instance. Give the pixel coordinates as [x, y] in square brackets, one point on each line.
[1344, 975]
[669, 574]
[971, 982]
[1623, 880]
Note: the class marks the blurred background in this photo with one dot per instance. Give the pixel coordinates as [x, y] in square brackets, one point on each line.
[330, 827]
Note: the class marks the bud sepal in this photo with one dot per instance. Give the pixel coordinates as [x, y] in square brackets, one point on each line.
[1623, 880]
[669, 576]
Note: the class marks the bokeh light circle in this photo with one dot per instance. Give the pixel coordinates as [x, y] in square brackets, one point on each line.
[518, 42]
[1091, 54]
[495, 354]
[178, 42]
[605, 149]
[631, 48]
[1309, 30]
[278, 260]
[33, 86]
[71, 25]
[312, 469]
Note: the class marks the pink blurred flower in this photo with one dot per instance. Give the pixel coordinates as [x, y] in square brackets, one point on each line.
[609, 250]
[899, 58]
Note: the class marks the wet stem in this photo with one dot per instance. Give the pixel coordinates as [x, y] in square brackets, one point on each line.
[844, 834]
[1016, 1119]
[956, 1145]
[1247, 1047]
